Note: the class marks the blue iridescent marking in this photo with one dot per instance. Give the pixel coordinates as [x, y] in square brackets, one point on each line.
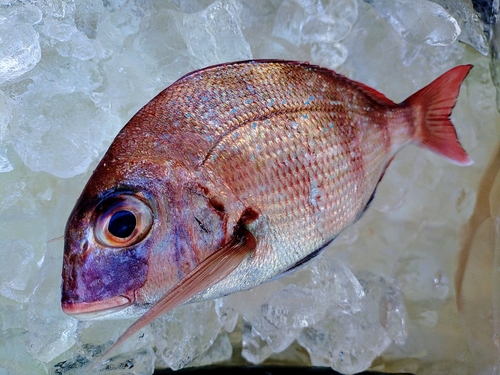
[283, 101]
[248, 101]
[330, 125]
[254, 125]
[270, 103]
[188, 115]
[268, 121]
[305, 116]
[205, 98]
[209, 138]
[295, 125]
[306, 102]
[235, 135]
[311, 98]
[233, 110]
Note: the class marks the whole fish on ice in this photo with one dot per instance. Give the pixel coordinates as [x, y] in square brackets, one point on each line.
[234, 175]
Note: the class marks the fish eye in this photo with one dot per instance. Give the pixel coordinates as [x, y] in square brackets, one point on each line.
[122, 221]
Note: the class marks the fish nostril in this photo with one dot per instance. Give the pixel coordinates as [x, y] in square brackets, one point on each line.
[84, 246]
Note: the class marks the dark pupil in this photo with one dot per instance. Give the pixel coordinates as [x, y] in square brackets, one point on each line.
[122, 224]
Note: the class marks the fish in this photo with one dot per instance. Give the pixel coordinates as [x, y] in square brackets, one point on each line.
[235, 175]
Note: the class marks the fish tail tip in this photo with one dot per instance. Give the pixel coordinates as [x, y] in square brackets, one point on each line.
[433, 105]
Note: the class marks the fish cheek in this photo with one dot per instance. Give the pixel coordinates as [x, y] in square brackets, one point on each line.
[106, 273]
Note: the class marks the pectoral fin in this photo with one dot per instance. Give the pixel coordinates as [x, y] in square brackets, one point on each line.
[209, 272]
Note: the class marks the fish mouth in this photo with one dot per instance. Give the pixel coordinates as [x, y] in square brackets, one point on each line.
[92, 310]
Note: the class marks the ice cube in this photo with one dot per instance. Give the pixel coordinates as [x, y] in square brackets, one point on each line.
[213, 35]
[67, 120]
[51, 332]
[120, 20]
[14, 359]
[88, 14]
[58, 30]
[81, 46]
[473, 30]
[302, 22]
[19, 50]
[328, 55]
[220, 351]
[95, 337]
[349, 342]
[324, 29]
[288, 22]
[285, 313]
[185, 333]
[419, 21]
[254, 349]
[5, 164]
[227, 315]
[23, 13]
[13, 280]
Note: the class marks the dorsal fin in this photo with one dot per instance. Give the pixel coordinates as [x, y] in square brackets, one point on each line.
[373, 94]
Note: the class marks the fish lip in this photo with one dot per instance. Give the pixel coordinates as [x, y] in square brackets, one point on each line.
[93, 310]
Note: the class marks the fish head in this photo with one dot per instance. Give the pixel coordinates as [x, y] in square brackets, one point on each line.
[140, 225]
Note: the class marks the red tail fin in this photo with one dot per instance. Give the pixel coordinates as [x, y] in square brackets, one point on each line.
[436, 101]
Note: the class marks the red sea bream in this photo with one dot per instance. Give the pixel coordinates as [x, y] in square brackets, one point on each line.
[234, 175]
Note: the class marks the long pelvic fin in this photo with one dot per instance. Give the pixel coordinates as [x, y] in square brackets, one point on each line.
[209, 272]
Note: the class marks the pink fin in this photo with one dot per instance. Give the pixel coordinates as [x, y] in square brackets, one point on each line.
[209, 272]
[436, 101]
[374, 94]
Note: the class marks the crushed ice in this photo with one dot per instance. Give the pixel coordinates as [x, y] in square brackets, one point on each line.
[72, 73]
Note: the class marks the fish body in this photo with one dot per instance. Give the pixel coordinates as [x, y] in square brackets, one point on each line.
[234, 175]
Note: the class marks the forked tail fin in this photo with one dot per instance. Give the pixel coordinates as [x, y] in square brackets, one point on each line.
[434, 104]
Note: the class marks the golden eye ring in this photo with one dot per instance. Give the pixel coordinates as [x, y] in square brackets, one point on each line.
[123, 221]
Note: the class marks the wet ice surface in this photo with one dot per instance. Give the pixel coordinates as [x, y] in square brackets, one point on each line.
[72, 73]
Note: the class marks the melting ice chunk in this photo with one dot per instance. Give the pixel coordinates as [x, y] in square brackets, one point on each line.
[214, 36]
[57, 121]
[312, 22]
[323, 26]
[329, 55]
[185, 333]
[350, 341]
[419, 21]
[51, 332]
[473, 30]
[19, 50]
